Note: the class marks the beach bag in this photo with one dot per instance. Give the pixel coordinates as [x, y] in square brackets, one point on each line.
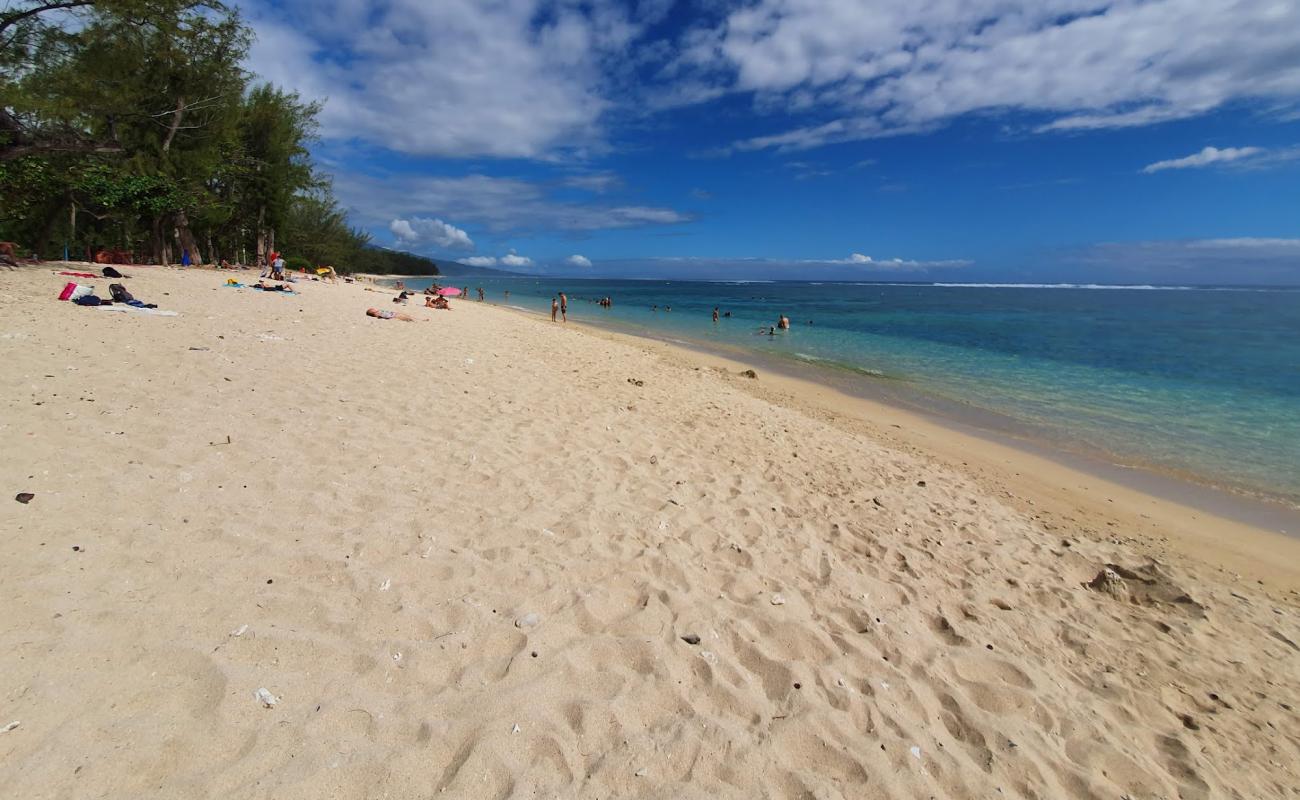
[87, 300]
[119, 293]
[109, 272]
[68, 289]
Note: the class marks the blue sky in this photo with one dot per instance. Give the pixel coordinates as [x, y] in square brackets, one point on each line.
[968, 140]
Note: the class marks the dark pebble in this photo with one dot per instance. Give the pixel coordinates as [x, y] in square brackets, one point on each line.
[798, 686]
[691, 638]
[269, 580]
[24, 497]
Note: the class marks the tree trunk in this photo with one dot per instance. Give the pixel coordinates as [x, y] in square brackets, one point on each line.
[186, 237]
[162, 251]
[176, 124]
[263, 250]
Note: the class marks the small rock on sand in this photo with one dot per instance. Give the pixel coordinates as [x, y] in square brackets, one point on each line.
[265, 697]
[691, 638]
[24, 497]
[529, 620]
[778, 600]
[9, 727]
[749, 373]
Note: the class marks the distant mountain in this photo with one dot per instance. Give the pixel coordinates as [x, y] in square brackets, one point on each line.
[455, 268]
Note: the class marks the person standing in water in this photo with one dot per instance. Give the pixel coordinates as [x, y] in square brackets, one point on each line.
[783, 323]
[555, 308]
[564, 307]
[715, 315]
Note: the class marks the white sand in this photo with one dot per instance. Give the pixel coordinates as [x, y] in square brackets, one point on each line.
[396, 500]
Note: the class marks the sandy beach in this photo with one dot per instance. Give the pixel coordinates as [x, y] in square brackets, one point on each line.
[485, 555]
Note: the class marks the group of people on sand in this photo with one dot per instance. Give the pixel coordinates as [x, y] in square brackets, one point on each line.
[560, 305]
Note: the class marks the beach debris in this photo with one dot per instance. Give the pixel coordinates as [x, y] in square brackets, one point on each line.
[386, 585]
[921, 484]
[24, 497]
[548, 531]
[691, 638]
[884, 685]
[397, 658]
[778, 600]
[749, 373]
[641, 773]
[218, 444]
[916, 752]
[530, 620]
[265, 697]
[1146, 586]
[636, 382]
[240, 631]
[515, 729]
[878, 502]
[709, 656]
[11, 726]
[426, 553]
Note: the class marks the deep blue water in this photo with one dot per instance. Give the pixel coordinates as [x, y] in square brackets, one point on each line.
[1203, 382]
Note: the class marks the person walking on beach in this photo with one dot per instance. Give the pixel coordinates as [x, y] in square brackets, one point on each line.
[555, 308]
[480, 294]
[564, 307]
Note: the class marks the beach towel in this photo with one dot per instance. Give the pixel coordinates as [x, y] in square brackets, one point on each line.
[157, 312]
[80, 274]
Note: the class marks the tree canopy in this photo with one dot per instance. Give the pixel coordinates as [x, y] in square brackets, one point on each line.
[132, 125]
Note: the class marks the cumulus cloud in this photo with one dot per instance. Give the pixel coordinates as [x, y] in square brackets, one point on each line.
[417, 231]
[479, 261]
[897, 264]
[518, 78]
[911, 65]
[578, 261]
[501, 205]
[513, 259]
[1206, 157]
[855, 267]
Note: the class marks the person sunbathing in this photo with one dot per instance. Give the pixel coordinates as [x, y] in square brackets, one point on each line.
[376, 313]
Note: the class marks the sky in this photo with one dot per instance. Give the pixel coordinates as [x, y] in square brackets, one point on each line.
[1038, 141]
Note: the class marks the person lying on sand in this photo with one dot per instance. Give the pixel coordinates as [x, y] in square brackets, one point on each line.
[376, 313]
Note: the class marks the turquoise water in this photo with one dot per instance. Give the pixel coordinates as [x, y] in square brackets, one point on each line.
[1199, 381]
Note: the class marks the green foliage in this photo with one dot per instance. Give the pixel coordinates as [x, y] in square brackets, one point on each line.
[132, 124]
[380, 261]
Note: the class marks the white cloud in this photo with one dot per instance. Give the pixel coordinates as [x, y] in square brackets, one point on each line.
[578, 261]
[513, 259]
[501, 205]
[597, 182]
[514, 78]
[855, 267]
[430, 231]
[1206, 157]
[911, 65]
[479, 261]
[899, 264]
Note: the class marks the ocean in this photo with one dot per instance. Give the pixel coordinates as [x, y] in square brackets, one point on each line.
[1199, 382]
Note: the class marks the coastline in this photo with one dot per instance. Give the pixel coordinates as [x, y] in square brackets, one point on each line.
[480, 554]
[1052, 480]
